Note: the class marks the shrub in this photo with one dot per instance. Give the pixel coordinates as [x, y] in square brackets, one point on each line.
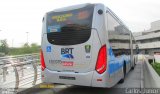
[156, 66]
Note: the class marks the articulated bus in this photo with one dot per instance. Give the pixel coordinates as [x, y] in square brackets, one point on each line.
[86, 45]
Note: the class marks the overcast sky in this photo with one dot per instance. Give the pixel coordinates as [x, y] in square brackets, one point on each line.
[20, 16]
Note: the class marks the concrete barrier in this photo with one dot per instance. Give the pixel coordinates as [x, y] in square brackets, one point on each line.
[157, 58]
[151, 78]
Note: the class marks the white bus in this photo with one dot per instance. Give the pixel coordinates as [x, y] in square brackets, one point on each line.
[85, 45]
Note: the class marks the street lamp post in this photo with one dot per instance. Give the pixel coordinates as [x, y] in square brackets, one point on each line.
[27, 36]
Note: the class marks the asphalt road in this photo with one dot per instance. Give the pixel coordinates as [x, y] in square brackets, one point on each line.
[132, 80]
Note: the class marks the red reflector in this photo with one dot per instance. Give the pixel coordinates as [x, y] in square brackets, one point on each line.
[99, 79]
[43, 66]
[42, 77]
[101, 64]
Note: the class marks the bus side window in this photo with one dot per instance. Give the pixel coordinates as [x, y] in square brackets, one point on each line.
[137, 49]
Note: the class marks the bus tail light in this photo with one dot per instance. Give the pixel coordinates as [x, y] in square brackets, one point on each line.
[101, 64]
[43, 66]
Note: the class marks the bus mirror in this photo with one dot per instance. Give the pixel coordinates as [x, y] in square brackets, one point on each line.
[43, 19]
[100, 11]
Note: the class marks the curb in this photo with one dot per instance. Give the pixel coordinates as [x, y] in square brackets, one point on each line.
[142, 77]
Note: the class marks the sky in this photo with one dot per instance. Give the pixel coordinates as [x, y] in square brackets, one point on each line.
[20, 16]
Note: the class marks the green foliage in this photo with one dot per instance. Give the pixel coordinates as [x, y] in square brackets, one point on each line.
[156, 66]
[26, 45]
[25, 49]
[4, 47]
[34, 45]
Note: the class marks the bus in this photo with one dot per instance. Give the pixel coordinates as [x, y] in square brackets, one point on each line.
[85, 45]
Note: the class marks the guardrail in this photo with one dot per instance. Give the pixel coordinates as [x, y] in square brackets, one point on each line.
[20, 71]
[151, 78]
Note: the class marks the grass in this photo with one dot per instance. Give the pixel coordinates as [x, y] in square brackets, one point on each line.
[156, 67]
[23, 50]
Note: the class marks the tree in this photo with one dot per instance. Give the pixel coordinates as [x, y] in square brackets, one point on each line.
[4, 46]
[26, 45]
[35, 48]
[25, 49]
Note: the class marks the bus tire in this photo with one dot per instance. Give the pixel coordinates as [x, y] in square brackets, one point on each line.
[124, 73]
[133, 65]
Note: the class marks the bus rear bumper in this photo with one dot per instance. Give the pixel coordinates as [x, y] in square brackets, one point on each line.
[84, 79]
[69, 78]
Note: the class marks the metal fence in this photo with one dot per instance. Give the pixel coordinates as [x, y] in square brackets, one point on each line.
[22, 71]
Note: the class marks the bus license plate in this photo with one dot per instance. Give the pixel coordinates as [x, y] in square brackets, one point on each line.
[66, 77]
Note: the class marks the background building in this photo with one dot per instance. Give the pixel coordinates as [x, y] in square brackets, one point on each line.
[149, 40]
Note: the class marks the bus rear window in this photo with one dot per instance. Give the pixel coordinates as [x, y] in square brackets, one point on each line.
[70, 27]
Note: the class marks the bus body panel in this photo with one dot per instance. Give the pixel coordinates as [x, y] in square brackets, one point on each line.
[82, 70]
[120, 52]
[57, 57]
[55, 62]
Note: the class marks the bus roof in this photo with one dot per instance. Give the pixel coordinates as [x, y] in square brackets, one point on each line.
[70, 7]
[86, 4]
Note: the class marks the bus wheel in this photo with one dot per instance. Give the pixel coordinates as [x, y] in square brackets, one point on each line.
[133, 65]
[124, 73]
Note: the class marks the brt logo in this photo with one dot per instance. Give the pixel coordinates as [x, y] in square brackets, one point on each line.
[66, 53]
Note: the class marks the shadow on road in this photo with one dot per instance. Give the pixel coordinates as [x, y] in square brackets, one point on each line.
[75, 90]
[89, 90]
